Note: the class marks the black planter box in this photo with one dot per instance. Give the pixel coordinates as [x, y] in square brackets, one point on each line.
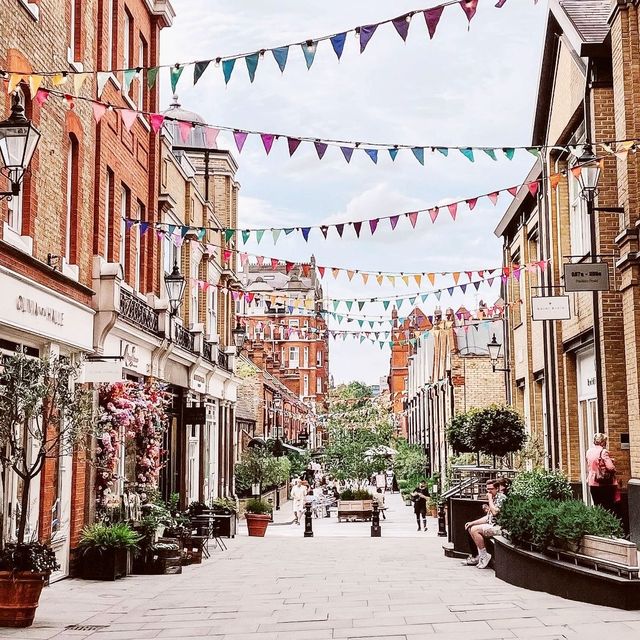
[538, 572]
[459, 512]
[161, 563]
[104, 565]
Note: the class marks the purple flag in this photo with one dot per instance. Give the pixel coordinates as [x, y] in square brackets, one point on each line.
[240, 137]
[365, 35]
[267, 141]
[340, 229]
[321, 148]
[394, 221]
[347, 152]
[402, 25]
[357, 226]
[432, 17]
[469, 7]
[293, 143]
[373, 225]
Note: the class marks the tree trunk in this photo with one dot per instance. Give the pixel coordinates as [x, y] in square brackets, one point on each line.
[24, 508]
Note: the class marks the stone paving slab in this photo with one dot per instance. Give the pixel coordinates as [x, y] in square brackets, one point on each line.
[286, 587]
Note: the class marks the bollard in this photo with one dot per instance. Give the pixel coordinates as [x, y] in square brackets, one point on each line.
[308, 521]
[376, 531]
[442, 524]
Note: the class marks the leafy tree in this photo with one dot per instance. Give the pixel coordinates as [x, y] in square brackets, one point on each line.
[410, 462]
[43, 416]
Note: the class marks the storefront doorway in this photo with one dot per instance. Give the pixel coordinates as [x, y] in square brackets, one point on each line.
[587, 409]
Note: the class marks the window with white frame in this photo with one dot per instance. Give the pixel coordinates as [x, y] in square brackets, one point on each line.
[318, 385]
[294, 357]
[213, 310]
[578, 219]
[75, 25]
[72, 168]
[305, 357]
[305, 385]
[319, 358]
[294, 324]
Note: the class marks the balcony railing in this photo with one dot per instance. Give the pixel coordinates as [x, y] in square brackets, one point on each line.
[138, 312]
[184, 338]
[207, 351]
[223, 360]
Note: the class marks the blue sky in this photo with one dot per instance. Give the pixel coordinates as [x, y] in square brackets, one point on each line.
[468, 86]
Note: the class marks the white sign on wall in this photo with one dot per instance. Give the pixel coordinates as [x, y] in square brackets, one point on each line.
[550, 308]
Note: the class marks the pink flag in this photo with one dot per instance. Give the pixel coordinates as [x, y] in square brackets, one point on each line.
[185, 130]
[321, 271]
[453, 209]
[293, 143]
[274, 263]
[156, 120]
[469, 7]
[373, 225]
[99, 110]
[42, 96]
[413, 218]
[394, 221]
[433, 213]
[533, 188]
[472, 203]
[494, 197]
[267, 141]
[240, 137]
[432, 17]
[513, 191]
[211, 136]
[227, 255]
[260, 260]
[243, 258]
[128, 117]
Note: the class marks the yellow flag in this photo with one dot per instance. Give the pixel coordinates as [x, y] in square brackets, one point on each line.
[432, 278]
[34, 84]
[58, 79]
[350, 274]
[365, 278]
[456, 276]
[380, 278]
[418, 279]
[392, 280]
[405, 279]
[14, 81]
[78, 81]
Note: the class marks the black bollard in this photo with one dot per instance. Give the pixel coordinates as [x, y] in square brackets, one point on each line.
[376, 531]
[442, 524]
[308, 521]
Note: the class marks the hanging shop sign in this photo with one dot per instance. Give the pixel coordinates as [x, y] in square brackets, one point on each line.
[550, 308]
[592, 276]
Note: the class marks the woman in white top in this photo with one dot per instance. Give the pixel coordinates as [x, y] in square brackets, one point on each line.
[298, 494]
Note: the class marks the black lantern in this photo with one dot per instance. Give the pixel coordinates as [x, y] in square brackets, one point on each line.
[589, 174]
[175, 284]
[494, 351]
[18, 141]
[239, 336]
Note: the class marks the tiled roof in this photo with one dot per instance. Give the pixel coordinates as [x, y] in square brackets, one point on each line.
[589, 17]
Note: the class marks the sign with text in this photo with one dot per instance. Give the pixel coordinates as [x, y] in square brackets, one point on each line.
[550, 308]
[591, 276]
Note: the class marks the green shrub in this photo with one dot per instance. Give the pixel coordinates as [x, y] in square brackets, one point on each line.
[109, 536]
[539, 483]
[257, 506]
[554, 523]
[355, 494]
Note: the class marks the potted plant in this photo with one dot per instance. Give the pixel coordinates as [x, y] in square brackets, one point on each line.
[43, 416]
[105, 550]
[258, 515]
[432, 506]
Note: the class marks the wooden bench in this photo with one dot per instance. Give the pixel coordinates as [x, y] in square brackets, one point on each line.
[610, 555]
[355, 510]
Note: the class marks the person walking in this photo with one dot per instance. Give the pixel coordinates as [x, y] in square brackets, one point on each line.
[298, 494]
[381, 480]
[601, 474]
[420, 496]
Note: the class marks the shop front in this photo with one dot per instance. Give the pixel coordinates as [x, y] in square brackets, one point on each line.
[587, 408]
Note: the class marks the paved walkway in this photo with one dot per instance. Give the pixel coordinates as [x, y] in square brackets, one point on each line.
[286, 587]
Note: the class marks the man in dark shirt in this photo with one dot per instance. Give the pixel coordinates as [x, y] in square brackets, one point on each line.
[420, 496]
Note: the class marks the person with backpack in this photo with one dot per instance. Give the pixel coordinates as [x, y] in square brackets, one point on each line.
[601, 474]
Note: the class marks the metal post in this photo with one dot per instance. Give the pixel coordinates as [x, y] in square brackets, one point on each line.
[376, 531]
[442, 523]
[308, 521]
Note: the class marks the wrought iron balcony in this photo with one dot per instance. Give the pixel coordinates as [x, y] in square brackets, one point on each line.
[207, 351]
[183, 338]
[223, 360]
[138, 313]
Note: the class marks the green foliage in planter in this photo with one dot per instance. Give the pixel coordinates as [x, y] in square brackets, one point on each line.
[104, 537]
[258, 507]
[539, 483]
[459, 433]
[554, 523]
[224, 503]
[34, 557]
[355, 494]
[258, 465]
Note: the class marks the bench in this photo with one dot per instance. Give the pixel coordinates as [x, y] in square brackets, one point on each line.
[355, 510]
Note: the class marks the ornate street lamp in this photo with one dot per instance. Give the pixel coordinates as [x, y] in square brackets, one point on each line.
[494, 353]
[589, 174]
[18, 141]
[175, 284]
[239, 336]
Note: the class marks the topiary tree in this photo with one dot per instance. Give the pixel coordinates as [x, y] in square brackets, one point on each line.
[498, 430]
[460, 435]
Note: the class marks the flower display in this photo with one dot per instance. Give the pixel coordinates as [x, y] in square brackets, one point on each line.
[130, 414]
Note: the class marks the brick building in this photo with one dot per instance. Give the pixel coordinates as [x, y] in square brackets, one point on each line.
[577, 376]
[449, 372]
[287, 333]
[45, 258]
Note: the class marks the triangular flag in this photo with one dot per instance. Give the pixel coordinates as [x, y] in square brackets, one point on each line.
[101, 81]
[366, 34]
[533, 188]
[468, 152]
[357, 226]
[324, 230]
[418, 152]
[276, 234]
[418, 278]
[493, 197]
[336, 272]
[58, 79]
[240, 137]
[365, 279]
[259, 234]
[198, 69]
[274, 263]
[433, 213]
[127, 78]
[293, 144]
[340, 229]
[321, 148]
[373, 154]
[252, 64]
[281, 54]
[267, 141]
[347, 152]
[99, 110]
[533, 151]
[245, 235]
[413, 218]
[350, 274]
[472, 203]
[321, 271]
[176, 72]
[227, 69]
[305, 233]
[453, 209]
[337, 42]
[432, 17]
[156, 120]
[509, 152]
[228, 234]
[491, 153]
[513, 191]
[373, 225]
[393, 152]
[128, 117]
[554, 179]
[309, 49]
[401, 25]
[211, 136]
[443, 150]
[469, 7]
[185, 130]
[394, 221]
[405, 279]
[380, 279]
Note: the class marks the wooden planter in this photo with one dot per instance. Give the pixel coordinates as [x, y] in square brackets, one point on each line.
[19, 597]
[257, 524]
[104, 565]
[161, 562]
[355, 510]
